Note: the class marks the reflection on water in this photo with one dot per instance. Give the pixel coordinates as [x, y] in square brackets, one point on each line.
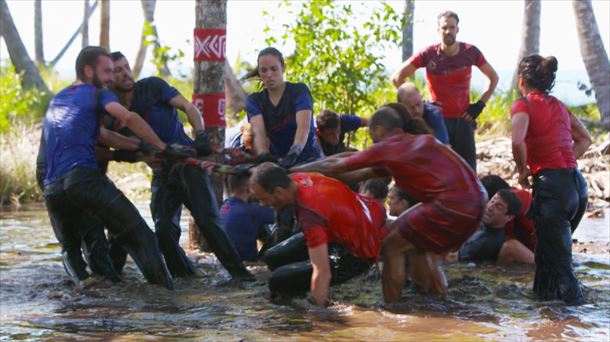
[485, 301]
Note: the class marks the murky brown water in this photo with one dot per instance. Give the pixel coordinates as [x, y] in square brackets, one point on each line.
[486, 302]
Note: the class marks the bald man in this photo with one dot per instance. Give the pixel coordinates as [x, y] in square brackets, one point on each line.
[410, 97]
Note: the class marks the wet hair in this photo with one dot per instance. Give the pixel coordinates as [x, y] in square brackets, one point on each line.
[538, 72]
[410, 124]
[493, 184]
[512, 201]
[376, 187]
[448, 14]
[117, 55]
[264, 52]
[89, 56]
[238, 182]
[403, 195]
[327, 119]
[269, 176]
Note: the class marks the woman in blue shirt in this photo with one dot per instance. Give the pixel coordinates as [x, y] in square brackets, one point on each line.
[281, 114]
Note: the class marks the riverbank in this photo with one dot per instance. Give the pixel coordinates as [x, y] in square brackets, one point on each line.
[18, 150]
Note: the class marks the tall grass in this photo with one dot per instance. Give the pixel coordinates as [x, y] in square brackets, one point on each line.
[18, 150]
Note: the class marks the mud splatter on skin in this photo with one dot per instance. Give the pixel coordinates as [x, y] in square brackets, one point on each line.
[484, 302]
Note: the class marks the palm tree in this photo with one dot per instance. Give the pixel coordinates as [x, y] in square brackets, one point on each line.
[594, 56]
[148, 6]
[407, 30]
[39, 52]
[84, 30]
[19, 55]
[105, 24]
[530, 35]
[209, 78]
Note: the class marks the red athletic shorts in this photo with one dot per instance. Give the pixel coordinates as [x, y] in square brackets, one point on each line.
[444, 223]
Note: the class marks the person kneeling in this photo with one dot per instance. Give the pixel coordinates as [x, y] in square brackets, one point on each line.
[327, 211]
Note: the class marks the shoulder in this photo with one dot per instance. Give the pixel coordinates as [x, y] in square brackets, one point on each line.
[470, 49]
[432, 110]
[520, 106]
[297, 88]
[152, 82]
[259, 95]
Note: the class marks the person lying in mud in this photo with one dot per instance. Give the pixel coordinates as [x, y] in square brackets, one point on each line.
[178, 183]
[485, 244]
[546, 141]
[73, 182]
[327, 212]
[452, 198]
[520, 232]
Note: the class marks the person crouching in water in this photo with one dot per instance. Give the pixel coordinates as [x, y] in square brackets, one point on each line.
[452, 198]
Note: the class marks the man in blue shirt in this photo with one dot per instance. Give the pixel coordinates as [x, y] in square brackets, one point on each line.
[73, 182]
[177, 183]
[331, 130]
[244, 221]
[410, 97]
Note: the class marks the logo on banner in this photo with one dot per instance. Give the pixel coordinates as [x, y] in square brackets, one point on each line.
[212, 106]
[210, 44]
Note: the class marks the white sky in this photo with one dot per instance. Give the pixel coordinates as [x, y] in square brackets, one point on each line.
[493, 26]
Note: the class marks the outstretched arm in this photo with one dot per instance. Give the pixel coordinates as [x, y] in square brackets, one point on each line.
[321, 276]
[328, 165]
[116, 140]
[135, 123]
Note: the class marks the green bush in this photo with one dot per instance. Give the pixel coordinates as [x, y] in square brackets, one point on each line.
[18, 104]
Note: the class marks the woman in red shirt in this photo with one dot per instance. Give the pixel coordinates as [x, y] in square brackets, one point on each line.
[546, 141]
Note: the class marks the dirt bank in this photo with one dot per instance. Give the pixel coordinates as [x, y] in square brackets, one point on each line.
[494, 156]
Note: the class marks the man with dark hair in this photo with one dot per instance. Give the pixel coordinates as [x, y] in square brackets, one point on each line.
[411, 98]
[452, 199]
[327, 211]
[73, 183]
[399, 201]
[485, 243]
[178, 183]
[375, 188]
[520, 232]
[243, 221]
[448, 70]
[331, 130]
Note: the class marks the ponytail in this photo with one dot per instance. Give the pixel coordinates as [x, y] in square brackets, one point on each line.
[538, 72]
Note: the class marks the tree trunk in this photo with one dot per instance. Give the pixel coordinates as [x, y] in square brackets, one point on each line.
[39, 52]
[594, 56]
[530, 34]
[208, 78]
[84, 30]
[74, 35]
[105, 24]
[407, 29]
[236, 95]
[148, 6]
[19, 55]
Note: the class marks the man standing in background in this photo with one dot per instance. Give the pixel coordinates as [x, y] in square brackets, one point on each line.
[448, 70]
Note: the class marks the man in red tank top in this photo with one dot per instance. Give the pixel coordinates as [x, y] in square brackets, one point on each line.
[452, 198]
[327, 211]
[448, 70]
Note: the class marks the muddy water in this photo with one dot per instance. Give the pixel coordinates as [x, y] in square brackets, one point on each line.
[486, 302]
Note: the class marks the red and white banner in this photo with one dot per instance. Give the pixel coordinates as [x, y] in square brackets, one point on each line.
[212, 107]
[210, 44]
